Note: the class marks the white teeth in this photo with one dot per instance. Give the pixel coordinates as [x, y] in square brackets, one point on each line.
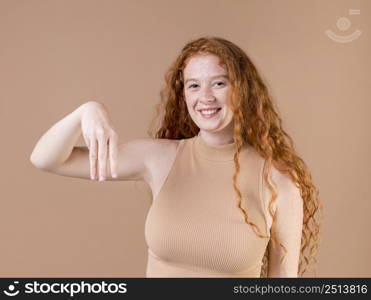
[209, 112]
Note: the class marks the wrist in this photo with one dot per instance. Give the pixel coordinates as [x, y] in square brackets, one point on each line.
[79, 111]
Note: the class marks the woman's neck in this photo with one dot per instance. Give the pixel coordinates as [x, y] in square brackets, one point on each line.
[216, 138]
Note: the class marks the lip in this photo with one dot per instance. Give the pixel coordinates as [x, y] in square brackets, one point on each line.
[210, 108]
[211, 116]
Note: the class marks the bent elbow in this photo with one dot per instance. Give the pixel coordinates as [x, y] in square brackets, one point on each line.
[37, 163]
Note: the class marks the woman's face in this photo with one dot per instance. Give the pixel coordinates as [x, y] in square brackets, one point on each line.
[206, 86]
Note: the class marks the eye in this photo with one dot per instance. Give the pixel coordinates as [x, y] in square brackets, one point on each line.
[219, 82]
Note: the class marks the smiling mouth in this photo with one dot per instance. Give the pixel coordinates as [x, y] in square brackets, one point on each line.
[207, 114]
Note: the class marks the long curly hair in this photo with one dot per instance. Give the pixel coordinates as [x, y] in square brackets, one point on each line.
[255, 123]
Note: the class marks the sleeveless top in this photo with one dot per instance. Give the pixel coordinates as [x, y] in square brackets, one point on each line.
[194, 227]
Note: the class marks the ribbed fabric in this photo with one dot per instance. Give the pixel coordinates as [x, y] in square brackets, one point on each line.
[194, 227]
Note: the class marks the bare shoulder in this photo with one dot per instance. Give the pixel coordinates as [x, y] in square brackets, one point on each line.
[163, 153]
[154, 147]
[165, 144]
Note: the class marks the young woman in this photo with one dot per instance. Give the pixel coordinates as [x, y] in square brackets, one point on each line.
[231, 197]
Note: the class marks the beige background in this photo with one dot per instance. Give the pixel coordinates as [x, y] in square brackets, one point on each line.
[55, 55]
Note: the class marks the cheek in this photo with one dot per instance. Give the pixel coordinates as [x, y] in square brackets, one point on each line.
[224, 94]
[190, 103]
[189, 108]
[229, 114]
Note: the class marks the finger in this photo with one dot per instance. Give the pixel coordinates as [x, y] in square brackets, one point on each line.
[87, 141]
[113, 150]
[102, 157]
[93, 158]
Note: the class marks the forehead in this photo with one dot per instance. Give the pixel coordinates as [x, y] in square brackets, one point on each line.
[203, 65]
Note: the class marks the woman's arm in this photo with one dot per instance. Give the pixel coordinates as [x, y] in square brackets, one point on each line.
[56, 145]
[55, 151]
[288, 226]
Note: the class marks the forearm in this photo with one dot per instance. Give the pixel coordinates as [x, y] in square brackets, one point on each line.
[56, 145]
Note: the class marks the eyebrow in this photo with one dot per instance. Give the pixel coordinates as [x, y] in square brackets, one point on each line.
[212, 77]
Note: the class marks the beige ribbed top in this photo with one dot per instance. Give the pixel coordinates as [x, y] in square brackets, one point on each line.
[194, 227]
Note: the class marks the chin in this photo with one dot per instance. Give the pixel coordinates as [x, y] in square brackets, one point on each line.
[211, 128]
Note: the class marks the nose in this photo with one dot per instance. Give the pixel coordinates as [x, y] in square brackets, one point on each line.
[207, 95]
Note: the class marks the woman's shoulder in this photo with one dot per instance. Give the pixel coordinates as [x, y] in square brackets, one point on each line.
[165, 143]
[164, 148]
[161, 155]
[169, 143]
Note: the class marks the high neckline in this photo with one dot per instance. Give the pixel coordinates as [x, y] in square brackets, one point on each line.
[213, 152]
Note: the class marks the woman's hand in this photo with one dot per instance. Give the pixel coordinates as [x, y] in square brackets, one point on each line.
[101, 139]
